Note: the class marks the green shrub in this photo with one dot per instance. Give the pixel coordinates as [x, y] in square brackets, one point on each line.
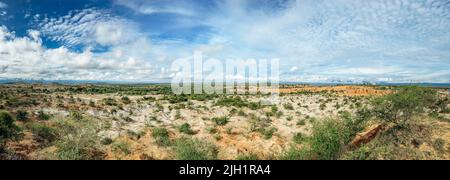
[43, 116]
[241, 113]
[402, 105]
[221, 121]
[22, 115]
[110, 102]
[75, 115]
[299, 138]
[439, 144]
[186, 128]
[44, 133]
[268, 132]
[328, 138]
[121, 147]
[161, 136]
[294, 153]
[126, 100]
[8, 130]
[106, 141]
[288, 106]
[190, 149]
[301, 122]
[79, 141]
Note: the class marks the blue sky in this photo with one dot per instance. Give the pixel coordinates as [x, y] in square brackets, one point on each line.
[315, 40]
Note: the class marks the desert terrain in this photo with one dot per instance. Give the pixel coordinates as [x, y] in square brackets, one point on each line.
[148, 122]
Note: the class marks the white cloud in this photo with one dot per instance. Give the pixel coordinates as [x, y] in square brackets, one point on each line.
[158, 6]
[3, 5]
[25, 57]
[89, 27]
[293, 69]
[344, 39]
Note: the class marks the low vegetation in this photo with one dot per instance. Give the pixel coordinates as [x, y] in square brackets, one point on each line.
[83, 122]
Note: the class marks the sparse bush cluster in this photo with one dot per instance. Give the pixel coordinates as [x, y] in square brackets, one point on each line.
[398, 113]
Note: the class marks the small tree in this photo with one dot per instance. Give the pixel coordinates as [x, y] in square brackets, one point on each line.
[401, 106]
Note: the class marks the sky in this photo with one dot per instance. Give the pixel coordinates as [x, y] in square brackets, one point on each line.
[137, 40]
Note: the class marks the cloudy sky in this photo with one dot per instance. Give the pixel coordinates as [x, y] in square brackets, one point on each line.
[315, 40]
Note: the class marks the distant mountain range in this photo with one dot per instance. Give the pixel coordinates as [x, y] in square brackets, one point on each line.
[335, 82]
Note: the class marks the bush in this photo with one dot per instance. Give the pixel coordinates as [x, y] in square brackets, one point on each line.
[79, 141]
[186, 128]
[301, 122]
[221, 121]
[401, 106]
[75, 115]
[161, 136]
[42, 116]
[45, 134]
[8, 130]
[22, 115]
[126, 100]
[268, 132]
[106, 141]
[299, 138]
[288, 106]
[189, 149]
[328, 138]
[439, 145]
[110, 102]
[296, 154]
[121, 147]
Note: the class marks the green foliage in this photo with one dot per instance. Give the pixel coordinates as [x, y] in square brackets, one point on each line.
[328, 138]
[401, 106]
[75, 115]
[8, 130]
[110, 102]
[241, 113]
[78, 141]
[294, 153]
[22, 115]
[237, 102]
[106, 141]
[173, 99]
[161, 136]
[43, 116]
[299, 138]
[192, 149]
[45, 134]
[288, 106]
[220, 121]
[439, 145]
[301, 122]
[121, 147]
[126, 100]
[268, 132]
[186, 128]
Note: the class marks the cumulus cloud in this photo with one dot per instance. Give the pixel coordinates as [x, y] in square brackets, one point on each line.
[316, 40]
[26, 57]
[321, 36]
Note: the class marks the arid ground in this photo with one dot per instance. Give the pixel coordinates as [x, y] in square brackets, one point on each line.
[55, 121]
